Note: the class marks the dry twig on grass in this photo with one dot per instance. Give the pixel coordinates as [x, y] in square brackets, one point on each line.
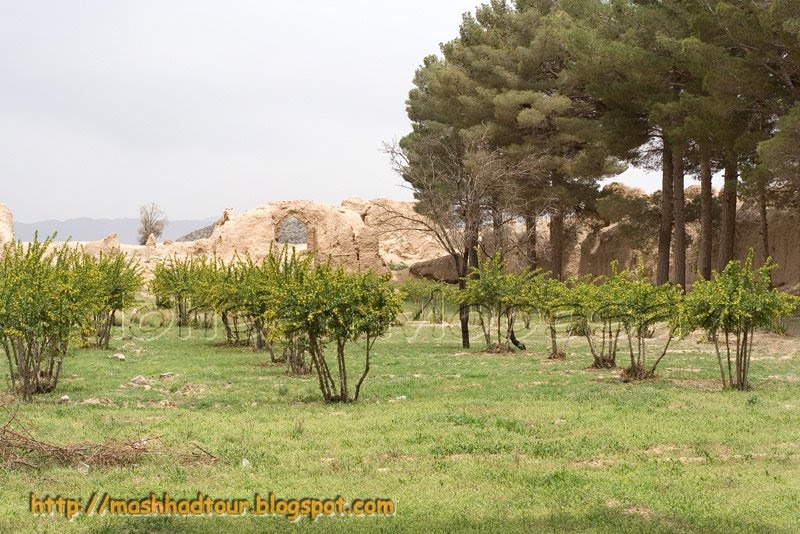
[200, 456]
[18, 446]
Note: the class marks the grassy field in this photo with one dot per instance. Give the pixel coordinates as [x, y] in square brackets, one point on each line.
[461, 441]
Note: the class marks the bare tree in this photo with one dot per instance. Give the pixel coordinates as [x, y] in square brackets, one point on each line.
[152, 220]
[461, 184]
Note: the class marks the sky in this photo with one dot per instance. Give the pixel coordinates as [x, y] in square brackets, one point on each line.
[202, 105]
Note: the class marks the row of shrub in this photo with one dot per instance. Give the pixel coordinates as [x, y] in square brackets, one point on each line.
[291, 300]
[620, 312]
[53, 296]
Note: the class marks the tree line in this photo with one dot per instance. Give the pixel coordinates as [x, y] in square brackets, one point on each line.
[536, 101]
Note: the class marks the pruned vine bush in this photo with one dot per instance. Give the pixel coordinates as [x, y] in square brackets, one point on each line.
[119, 280]
[550, 298]
[172, 284]
[730, 307]
[47, 297]
[428, 300]
[498, 296]
[333, 307]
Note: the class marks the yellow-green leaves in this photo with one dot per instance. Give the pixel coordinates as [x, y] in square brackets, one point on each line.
[48, 294]
[731, 306]
[739, 298]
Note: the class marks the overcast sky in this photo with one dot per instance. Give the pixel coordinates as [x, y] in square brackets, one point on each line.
[200, 105]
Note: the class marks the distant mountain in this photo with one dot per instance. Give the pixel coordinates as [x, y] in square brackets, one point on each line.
[200, 233]
[85, 229]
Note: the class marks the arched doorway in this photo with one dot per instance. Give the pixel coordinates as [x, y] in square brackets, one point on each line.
[292, 231]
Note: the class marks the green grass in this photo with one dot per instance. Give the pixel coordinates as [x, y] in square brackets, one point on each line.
[481, 442]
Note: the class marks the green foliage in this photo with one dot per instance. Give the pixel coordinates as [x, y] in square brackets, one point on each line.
[119, 280]
[172, 282]
[644, 306]
[428, 299]
[498, 295]
[47, 295]
[732, 305]
[618, 203]
[333, 306]
[550, 298]
[628, 303]
[595, 303]
[284, 297]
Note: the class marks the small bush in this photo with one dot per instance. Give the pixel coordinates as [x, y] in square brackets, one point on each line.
[497, 295]
[119, 280]
[47, 296]
[730, 307]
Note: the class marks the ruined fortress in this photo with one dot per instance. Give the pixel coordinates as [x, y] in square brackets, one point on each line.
[356, 234]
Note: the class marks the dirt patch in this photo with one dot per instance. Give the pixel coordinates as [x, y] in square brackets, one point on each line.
[192, 390]
[792, 379]
[552, 361]
[773, 346]
[104, 401]
[642, 511]
[660, 450]
[691, 459]
[707, 384]
[140, 381]
[199, 457]
[596, 463]
[396, 457]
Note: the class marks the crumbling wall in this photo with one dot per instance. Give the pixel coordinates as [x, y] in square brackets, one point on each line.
[6, 225]
[589, 250]
[362, 234]
[335, 234]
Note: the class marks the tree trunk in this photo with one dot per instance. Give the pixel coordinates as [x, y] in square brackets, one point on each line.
[665, 227]
[764, 226]
[557, 230]
[531, 240]
[366, 369]
[557, 243]
[462, 269]
[498, 231]
[554, 352]
[680, 217]
[227, 326]
[344, 394]
[727, 240]
[797, 207]
[706, 199]
[320, 367]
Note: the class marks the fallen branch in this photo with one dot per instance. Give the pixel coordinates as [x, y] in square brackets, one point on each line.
[19, 446]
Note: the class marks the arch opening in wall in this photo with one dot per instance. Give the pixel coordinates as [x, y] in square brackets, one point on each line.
[293, 231]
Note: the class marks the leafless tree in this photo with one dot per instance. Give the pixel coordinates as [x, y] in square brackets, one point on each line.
[461, 183]
[152, 220]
